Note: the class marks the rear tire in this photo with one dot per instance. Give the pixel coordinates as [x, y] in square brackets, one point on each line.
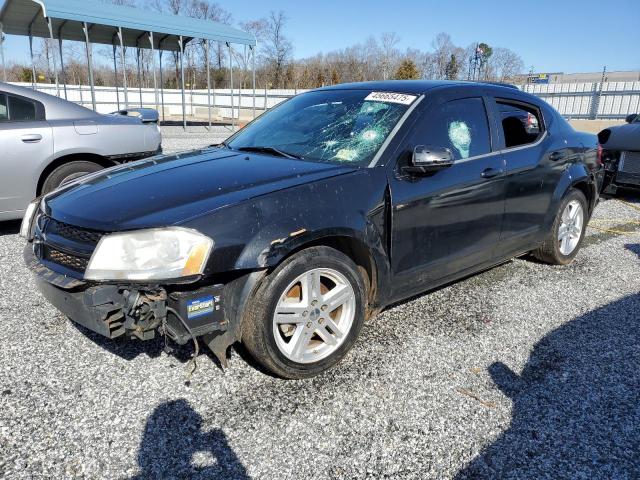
[306, 315]
[68, 172]
[564, 240]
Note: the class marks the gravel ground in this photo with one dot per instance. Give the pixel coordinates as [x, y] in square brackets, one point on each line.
[524, 371]
[176, 139]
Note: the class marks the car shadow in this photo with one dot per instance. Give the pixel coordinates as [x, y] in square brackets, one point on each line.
[10, 227]
[576, 404]
[129, 349]
[174, 445]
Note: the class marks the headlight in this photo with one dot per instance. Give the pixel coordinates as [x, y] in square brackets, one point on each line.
[153, 254]
[25, 227]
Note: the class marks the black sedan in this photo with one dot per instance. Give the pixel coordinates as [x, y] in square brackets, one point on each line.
[621, 155]
[314, 217]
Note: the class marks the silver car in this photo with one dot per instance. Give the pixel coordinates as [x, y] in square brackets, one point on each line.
[46, 141]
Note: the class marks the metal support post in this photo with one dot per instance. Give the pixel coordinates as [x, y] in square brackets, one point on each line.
[233, 118]
[124, 69]
[206, 52]
[161, 86]
[253, 68]
[153, 65]
[4, 66]
[62, 72]
[115, 72]
[138, 61]
[33, 63]
[184, 107]
[139, 76]
[53, 54]
[85, 28]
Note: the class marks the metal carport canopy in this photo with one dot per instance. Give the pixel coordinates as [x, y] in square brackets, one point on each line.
[28, 17]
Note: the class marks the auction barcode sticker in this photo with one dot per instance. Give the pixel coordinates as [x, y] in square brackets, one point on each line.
[391, 97]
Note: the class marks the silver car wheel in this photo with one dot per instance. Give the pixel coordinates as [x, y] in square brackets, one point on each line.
[314, 315]
[570, 229]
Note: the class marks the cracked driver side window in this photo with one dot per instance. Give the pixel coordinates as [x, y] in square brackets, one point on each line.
[460, 125]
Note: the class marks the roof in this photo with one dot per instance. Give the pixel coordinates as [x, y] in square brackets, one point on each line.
[415, 87]
[104, 19]
[56, 108]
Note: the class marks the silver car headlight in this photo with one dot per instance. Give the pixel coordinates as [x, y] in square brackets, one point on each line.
[27, 220]
[152, 254]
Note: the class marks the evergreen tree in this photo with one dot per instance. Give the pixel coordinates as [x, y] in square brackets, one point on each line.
[407, 71]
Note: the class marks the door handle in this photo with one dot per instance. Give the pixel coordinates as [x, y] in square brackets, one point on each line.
[491, 172]
[31, 138]
[555, 156]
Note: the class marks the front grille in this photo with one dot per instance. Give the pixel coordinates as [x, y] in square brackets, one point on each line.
[77, 234]
[66, 260]
[66, 245]
[630, 163]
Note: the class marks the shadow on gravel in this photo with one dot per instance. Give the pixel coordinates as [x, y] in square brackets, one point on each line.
[129, 349]
[123, 347]
[10, 227]
[576, 405]
[175, 446]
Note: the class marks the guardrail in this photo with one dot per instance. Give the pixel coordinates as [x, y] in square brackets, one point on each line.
[589, 100]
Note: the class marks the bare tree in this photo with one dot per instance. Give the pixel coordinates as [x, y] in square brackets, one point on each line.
[389, 53]
[277, 49]
[504, 65]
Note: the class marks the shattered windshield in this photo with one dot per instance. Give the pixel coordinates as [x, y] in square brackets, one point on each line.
[343, 126]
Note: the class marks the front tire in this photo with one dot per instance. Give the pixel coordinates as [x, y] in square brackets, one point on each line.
[306, 315]
[563, 242]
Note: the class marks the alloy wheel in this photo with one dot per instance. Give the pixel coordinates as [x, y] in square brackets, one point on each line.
[570, 229]
[314, 315]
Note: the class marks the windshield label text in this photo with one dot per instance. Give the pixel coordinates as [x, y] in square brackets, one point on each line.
[391, 97]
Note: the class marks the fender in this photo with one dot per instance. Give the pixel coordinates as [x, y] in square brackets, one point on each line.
[259, 233]
[91, 153]
[576, 173]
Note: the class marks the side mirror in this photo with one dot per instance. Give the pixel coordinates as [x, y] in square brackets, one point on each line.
[429, 159]
[631, 118]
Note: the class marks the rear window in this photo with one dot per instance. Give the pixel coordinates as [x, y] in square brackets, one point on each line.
[4, 113]
[521, 124]
[21, 110]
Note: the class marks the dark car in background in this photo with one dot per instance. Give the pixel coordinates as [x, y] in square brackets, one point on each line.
[313, 218]
[621, 155]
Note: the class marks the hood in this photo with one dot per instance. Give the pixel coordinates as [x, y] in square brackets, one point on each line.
[170, 190]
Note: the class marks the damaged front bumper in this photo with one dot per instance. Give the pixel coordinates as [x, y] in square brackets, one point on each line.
[136, 311]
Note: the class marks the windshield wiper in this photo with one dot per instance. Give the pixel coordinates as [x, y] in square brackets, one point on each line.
[271, 150]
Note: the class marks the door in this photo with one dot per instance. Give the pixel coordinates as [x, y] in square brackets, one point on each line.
[522, 135]
[450, 220]
[26, 143]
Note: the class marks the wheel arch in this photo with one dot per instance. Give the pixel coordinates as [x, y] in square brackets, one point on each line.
[73, 157]
[589, 191]
[353, 248]
[576, 177]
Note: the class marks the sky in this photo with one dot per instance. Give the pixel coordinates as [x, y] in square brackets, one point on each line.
[550, 35]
